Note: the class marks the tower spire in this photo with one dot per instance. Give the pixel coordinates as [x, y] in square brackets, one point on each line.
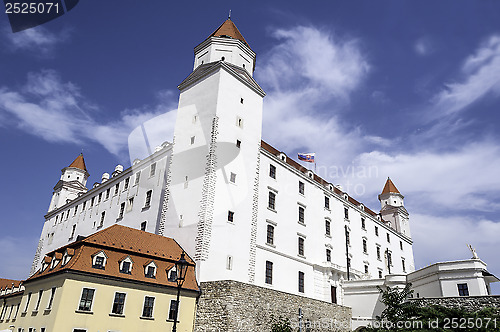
[229, 16]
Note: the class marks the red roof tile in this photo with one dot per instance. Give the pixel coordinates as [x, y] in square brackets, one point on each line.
[228, 30]
[390, 187]
[79, 162]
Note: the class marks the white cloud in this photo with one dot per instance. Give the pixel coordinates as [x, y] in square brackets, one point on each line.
[56, 111]
[423, 46]
[38, 40]
[309, 76]
[480, 76]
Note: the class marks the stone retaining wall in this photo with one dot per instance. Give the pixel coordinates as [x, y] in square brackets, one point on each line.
[236, 306]
[470, 303]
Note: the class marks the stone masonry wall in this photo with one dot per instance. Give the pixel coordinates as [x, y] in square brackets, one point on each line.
[236, 306]
[469, 303]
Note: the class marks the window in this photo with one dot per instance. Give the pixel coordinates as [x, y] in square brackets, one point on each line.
[388, 238]
[301, 246]
[122, 209]
[125, 267]
[389, 258]
[17, 310]
[403, 265]
[118, 304]
[229, 262]
[73, 229]
[98, 263]
[92, 201]
[148, 198]
[269, 272]
[143, 225]
[130, 204]
[301, 214]
[327, 227]
[328, 255]
[150, 272]
[301, 282]
[363, 223]
[365, 249]
[378, 252]
[401, 245]
[230, 216]
[40, 293]
[51, 300]
[99, 198]
[270, 234]
[272, 200]
[348, 237]
[366, 268]
[380, 274]
[172, 312]
[152, 170]
[239, 122]
[272, 171]
[103, 215]
[76, 209]
[301, 187]
[149, 302]
[346, 213]
[241, 100]
[192, 139]
[172, 275]
[127, 181]
[108, 191]
[117, 188]
[232, 178]
[86, 300]
[463, 290]
[376, 230]
[137, 178]
[238, 143]
[327, 202]
[27, 302]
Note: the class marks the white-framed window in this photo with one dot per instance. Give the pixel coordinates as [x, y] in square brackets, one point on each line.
[122, 210]
[150, 270]
[108, 191]
[328, 255]
[238, 143]
[130, 204]
[272, 200]
[172, 274]
[126, 265]
[86, 300]
[301, 214]
[365, 246]
[229, 262]
[239, 122]
[192, 139]
[230, 216]
[137, 177]
[101, 222]
[144, 225]
[301, 187]
[152, 170]
[99, 260]
[118, 303]
[51, 300]
[173, 310]
[328, 227]
[232, 178]
[272, 171]
[269, 273]
[40, 293]
[147, 202]
[148, 307]
[28, 299]
[270, 235]
[301, 246]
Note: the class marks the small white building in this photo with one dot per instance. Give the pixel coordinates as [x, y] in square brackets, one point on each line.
[446, 279]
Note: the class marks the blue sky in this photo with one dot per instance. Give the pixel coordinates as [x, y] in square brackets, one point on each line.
[406, 89]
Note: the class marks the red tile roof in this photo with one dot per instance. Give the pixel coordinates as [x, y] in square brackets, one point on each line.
[8, 283]
[228, 30]
[390, 187]
[118, 241]
[79, 162]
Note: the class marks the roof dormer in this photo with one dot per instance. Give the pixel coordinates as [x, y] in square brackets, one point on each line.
[125, 265]
[150, 270]
[99, 260]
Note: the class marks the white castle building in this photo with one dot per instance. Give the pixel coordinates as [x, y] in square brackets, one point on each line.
[242, 209]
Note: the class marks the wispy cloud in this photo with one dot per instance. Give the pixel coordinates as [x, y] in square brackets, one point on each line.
[57, 112]
[39, 40]
[309, 76]
[480, 76]
[423, 46]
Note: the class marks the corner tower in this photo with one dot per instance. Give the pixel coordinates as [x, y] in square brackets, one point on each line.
[393, 210]
[226, 43]
[71, 184]
[210, 204]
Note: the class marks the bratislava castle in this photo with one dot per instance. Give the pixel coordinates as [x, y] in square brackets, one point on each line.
[241, 208]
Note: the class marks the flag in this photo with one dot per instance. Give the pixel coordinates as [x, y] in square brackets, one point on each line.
[307, 157]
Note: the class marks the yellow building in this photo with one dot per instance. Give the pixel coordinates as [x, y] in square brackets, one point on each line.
[117, 280]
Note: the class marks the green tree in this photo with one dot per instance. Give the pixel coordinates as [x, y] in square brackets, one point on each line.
[281, 325]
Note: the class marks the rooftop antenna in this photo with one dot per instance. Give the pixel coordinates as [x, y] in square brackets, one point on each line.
[229, 17]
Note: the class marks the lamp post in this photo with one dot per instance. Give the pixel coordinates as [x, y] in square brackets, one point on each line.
[181, 267]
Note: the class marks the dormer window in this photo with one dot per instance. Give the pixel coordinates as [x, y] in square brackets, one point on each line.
[67, 256]
[283, 157]
[150, 270]
[126, 265]
[99, 260]
[172, 275]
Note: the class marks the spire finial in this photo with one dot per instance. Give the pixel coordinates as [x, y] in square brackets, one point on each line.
[229, 16]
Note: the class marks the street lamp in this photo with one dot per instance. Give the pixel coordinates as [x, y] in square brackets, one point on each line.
[181, 267]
